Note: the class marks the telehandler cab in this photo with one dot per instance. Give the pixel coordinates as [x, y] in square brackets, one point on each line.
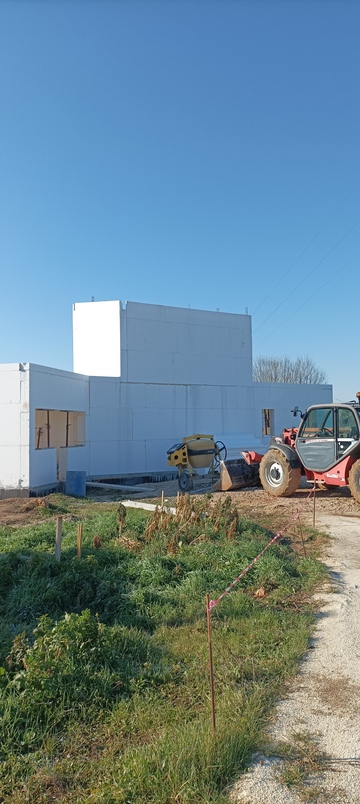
[325, 448]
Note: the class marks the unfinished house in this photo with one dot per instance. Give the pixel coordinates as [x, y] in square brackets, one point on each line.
[144, 376]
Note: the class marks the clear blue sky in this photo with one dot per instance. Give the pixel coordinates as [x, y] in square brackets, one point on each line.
[184, 153]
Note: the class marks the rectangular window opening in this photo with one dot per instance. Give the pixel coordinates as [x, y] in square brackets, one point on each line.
[267, 422]
[59, 428]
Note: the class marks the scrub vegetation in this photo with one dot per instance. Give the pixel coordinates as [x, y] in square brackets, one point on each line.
[104, 688]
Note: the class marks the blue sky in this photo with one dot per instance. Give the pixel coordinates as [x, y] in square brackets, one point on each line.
[185, 153]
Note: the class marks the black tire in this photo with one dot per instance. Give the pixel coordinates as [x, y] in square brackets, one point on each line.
[354, 481]
[277, 476]
[185, 482]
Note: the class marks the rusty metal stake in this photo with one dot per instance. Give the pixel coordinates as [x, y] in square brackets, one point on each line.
[208, 616]
[301, 534]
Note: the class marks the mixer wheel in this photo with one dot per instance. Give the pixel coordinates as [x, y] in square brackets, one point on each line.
[185, 482]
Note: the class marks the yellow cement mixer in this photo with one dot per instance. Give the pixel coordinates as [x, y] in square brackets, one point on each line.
[195, 452]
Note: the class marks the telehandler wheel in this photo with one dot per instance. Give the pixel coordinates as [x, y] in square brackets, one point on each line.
[354, 481]
[277, 476]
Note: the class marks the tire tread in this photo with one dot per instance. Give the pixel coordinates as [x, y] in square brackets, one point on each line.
[292, 476]
[354, 481]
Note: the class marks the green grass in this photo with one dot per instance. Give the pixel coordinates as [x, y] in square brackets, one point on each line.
[104, 691]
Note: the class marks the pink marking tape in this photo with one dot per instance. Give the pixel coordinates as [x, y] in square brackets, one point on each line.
[213, 603]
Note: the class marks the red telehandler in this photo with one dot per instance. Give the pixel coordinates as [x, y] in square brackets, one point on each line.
[325, 448]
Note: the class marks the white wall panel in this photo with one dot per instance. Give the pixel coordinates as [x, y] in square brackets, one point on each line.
[148, 367]
[136, 456]
[14, 467]
[229, 397]
[58, 390]
[232, 421]
[185, 315]
[161, 344]
[111, 425]
[132, 456]
[104, 393]
[133, 395]
[10, 384]
[24, 466]
[164, 396]
[43, 467]
[26, 432]
[104, 424]
[96, 338]
[156, 454]
[78, 459]
[161, 423]
[9, 425]
[14, 458]
[104, 458]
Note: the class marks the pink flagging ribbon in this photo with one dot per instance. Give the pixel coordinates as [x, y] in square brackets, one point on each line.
[213, 603]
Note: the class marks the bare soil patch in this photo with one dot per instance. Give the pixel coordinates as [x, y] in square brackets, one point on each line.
[20, 511]
[337, 692]
[253, 503]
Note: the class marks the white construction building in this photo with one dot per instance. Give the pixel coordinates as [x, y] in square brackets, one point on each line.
[144, 376]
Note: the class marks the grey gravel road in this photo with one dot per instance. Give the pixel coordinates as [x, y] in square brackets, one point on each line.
[324, 700]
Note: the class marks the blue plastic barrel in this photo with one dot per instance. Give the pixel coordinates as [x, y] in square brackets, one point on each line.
[75, 485]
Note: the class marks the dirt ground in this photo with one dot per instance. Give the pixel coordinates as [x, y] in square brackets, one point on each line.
[253, 503]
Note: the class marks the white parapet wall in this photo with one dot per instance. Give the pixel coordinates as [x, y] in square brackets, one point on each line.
[152, 343]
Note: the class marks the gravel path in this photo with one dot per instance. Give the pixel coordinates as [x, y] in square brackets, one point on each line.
[323, 703]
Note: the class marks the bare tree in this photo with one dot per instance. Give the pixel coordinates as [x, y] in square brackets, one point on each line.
[284, 369]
